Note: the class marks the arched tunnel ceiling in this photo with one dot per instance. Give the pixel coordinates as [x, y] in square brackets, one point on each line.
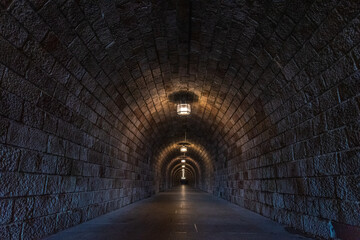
[238, 57]
[87, 109]
[214, 60]
[154, 59]
[226, 52]
[87, 112]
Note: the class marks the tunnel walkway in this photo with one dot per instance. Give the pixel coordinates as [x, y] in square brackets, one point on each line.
[182, 213]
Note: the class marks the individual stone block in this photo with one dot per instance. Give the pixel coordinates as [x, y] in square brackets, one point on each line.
[342, 115]
[50, 12]
[348, 212]
[78, 48]
[9, 158]
[17, 85]
[348, 88]
[286, 186]
[53, 185]
[329, 209]
[72, 150]
[6, 206]
[72, 12]
[32, 116]
[23, 136]
[333, 141]
[85, 32]
[23, 208]
[326, 165]
[68, 219]
[34, 51]
[327, 30]
[11, 105]
[13, 58]
[46, 205]
[64, 166]
[77, 168]
[316, 226]
[12, 30]
[353, 134]
[321, 187]
[312, 206]
[20, 184]
[56, 145]
[48, 164]
[23, 12]
[348, 187]
[349, 162]
[32, 161]
[4, 125]
[39, 227]
[65, 201]
[81, 184]
[50, 123]
[11, 231]
[68, 184]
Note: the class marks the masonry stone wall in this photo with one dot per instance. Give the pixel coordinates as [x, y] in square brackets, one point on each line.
[87, 126]
[295, 156]
[65, 156]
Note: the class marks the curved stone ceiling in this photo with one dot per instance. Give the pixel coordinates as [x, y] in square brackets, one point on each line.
[238, 57]
[88, 85]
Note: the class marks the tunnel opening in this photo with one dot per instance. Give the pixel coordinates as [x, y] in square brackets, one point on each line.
[89, 120]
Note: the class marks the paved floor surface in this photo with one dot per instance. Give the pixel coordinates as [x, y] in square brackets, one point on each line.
[183, 213]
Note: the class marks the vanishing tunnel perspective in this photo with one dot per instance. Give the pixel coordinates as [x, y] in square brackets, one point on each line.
[179, 119]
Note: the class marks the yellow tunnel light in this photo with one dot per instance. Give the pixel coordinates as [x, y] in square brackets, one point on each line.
[183, 166]
[183, 174]
[183, 149]
[183, 161]
[183, 109]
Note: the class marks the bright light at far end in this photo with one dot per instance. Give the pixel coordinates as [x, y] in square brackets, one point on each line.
[183, 109]
[183, 174]
[183, 149]
[183, 166]
[183, 160]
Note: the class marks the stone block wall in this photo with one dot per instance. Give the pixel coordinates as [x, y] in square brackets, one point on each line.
[295, 156]
[65, 156]
[84, 108]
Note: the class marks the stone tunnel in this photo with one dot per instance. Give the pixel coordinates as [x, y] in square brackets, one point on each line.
[90, 123]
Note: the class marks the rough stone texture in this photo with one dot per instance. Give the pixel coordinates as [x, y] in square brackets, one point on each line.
[86, 125]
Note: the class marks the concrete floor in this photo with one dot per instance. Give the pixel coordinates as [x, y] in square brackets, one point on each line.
[183, 213]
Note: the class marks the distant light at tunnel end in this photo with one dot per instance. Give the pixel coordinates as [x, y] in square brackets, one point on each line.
[183, 173]
[183, 109]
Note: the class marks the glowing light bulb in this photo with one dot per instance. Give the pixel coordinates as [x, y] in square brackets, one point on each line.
[183, 160]
[183, 149]
[183, 109]
[183, 174]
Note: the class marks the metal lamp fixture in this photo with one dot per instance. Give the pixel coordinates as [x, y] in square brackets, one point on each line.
[183, 149]
[183, 109]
